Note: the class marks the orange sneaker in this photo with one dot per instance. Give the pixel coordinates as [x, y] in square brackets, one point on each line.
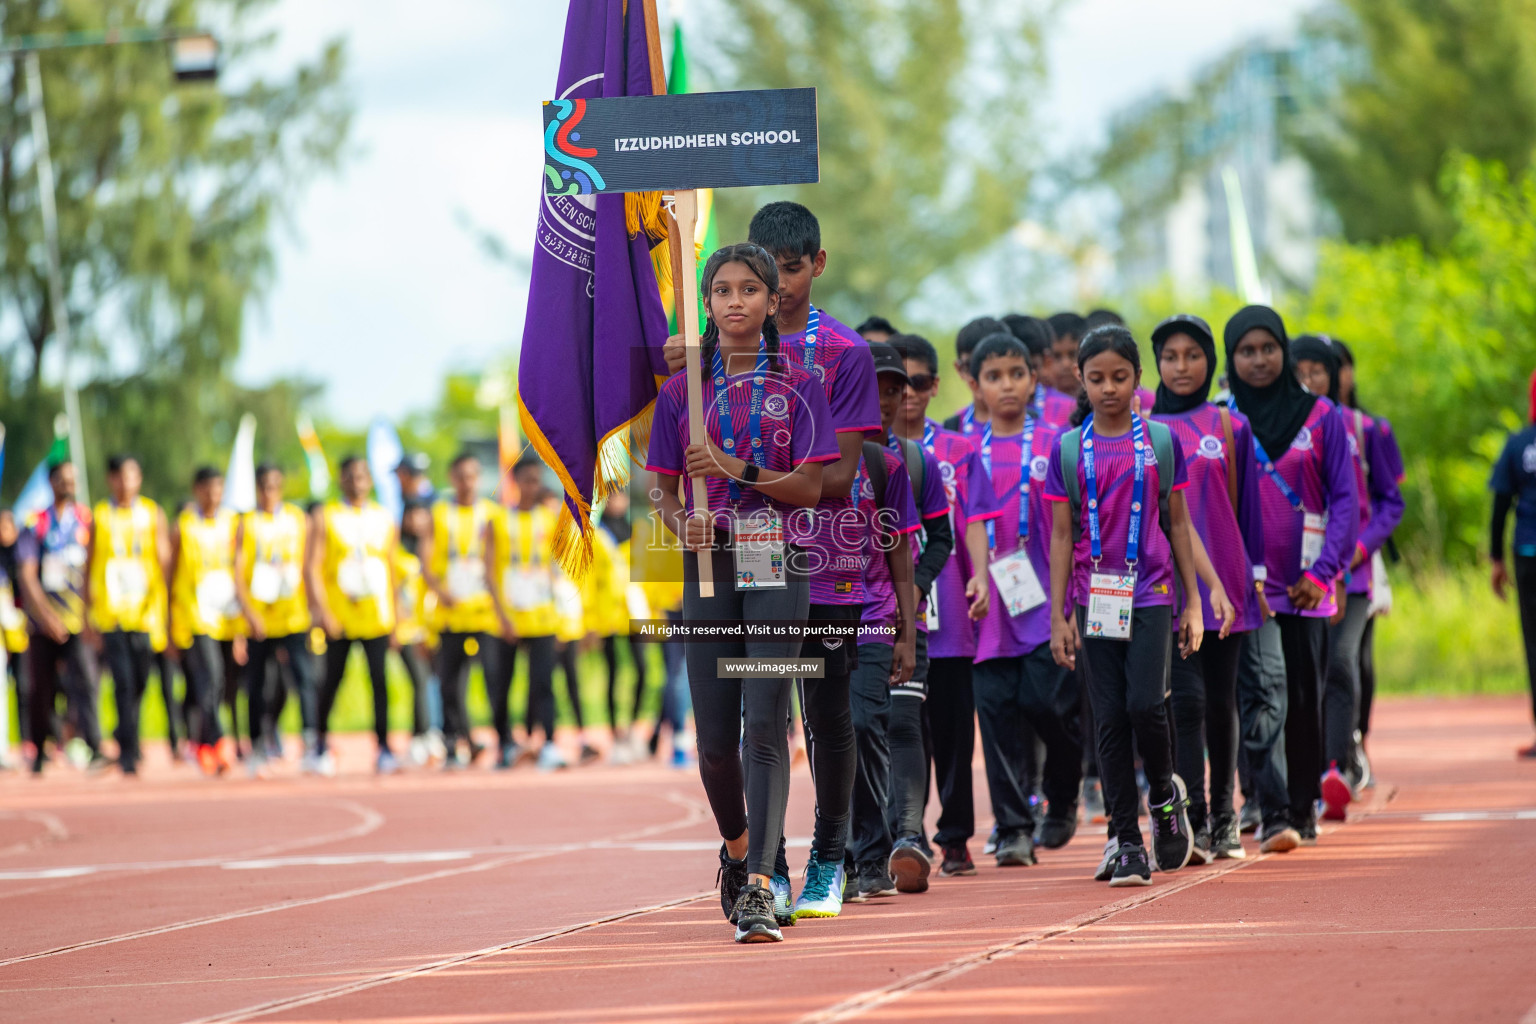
[207, 759]
[224, 752]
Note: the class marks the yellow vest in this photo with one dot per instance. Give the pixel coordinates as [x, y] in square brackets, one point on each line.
[273, 556]
[356, 569]
[203, 589]
[656, 565]
[603, 593]
[127, 586]
[458, 562]
[13, 626]
[524, 565]
[415, 602]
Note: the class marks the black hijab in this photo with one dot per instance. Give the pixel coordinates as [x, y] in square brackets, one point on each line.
[1184, 323]
[1319, 348]
[1278, 411]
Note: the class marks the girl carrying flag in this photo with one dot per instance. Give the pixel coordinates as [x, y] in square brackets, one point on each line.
[770, 432]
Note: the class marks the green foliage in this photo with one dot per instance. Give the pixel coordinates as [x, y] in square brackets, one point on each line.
[167, 198]
[1448, 634]
[1437, 77]
[924, 108]
[1444, 341]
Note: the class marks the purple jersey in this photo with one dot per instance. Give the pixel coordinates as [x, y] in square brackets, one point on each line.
[1318, 470]
[1055, 408]
[794, 406]
[971, 500]
[1114, 465]
[1381, 504]
[840, 359]
[1234, 539]
[889, 518]
[1001, 635]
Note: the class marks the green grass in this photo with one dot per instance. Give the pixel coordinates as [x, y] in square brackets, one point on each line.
[1448, 635]
[354, 702]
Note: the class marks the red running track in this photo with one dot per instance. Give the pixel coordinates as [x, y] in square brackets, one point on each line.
[585, 896]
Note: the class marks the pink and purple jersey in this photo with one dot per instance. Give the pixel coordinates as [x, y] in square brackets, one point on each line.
[793, 409]
[1001, 635]
[888, 518]
[1318, 469]
[1114, 466]
[1379, 465]
[971, 499]
[1234, 538]
[1054, 408]
[840, 360]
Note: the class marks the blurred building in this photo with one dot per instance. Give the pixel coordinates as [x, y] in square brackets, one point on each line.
[1166, 155]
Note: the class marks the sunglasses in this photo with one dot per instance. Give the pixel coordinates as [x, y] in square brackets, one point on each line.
[921, 381]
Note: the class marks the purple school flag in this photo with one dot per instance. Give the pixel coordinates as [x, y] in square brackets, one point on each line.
[591, 351]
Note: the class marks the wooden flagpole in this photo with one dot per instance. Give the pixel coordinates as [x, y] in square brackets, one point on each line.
[685, 299]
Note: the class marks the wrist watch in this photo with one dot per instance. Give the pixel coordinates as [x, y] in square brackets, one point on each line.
[749, 473]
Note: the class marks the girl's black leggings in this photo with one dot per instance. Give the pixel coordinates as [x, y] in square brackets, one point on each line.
[1127, 688]
[336, 652]
[611, 656]
[1205, 719]
[727, 712]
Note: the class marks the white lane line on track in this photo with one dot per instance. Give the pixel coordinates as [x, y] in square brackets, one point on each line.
[53, 829]
[871, 999]
[1530, 1015]
[369, 822]
[377, 857]
[695, 813]
[279, 1005]
[1529, 815]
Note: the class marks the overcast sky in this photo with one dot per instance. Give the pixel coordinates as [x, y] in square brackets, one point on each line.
[382, 289]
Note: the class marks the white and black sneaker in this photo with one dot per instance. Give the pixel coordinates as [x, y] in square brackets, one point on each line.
[1111, 857]
[732, 878]
[1172, 842]
[755, 921]
[1131, 868]
[1226, 844]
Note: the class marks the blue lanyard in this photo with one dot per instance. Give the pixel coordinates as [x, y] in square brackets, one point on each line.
[928, 435]
[812, 328]
[754, 414]
[968, 420]
[1138, 491]
[1026, 456]
[1268, 465]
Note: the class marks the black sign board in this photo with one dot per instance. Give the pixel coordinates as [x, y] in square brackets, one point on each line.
[666, 143]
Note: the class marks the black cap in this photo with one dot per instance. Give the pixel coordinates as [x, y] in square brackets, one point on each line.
[415, 463]
[1182, 323]
[887, 360]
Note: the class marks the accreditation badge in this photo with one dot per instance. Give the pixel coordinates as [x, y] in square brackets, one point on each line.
[216, 595]
[127, 584]
[759, 551]
[527, 588]
[1313, 529]
[466, 578]
[1017, 582]
[1110, 598]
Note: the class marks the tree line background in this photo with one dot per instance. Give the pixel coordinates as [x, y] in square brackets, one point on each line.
[170, 201]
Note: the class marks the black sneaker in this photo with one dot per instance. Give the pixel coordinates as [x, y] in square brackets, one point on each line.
[874, 882]
[1054, 832]
[1202, 853]
[1172, 842]
[1225, 842]
[910, 864]
[1306, 830]
[1278, 838]
[754, 916]
[851, 893]
[1015, 850]
[957, 861]
[1252, 819]
[732, 879]
[1131, 868]
[1110, 860]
